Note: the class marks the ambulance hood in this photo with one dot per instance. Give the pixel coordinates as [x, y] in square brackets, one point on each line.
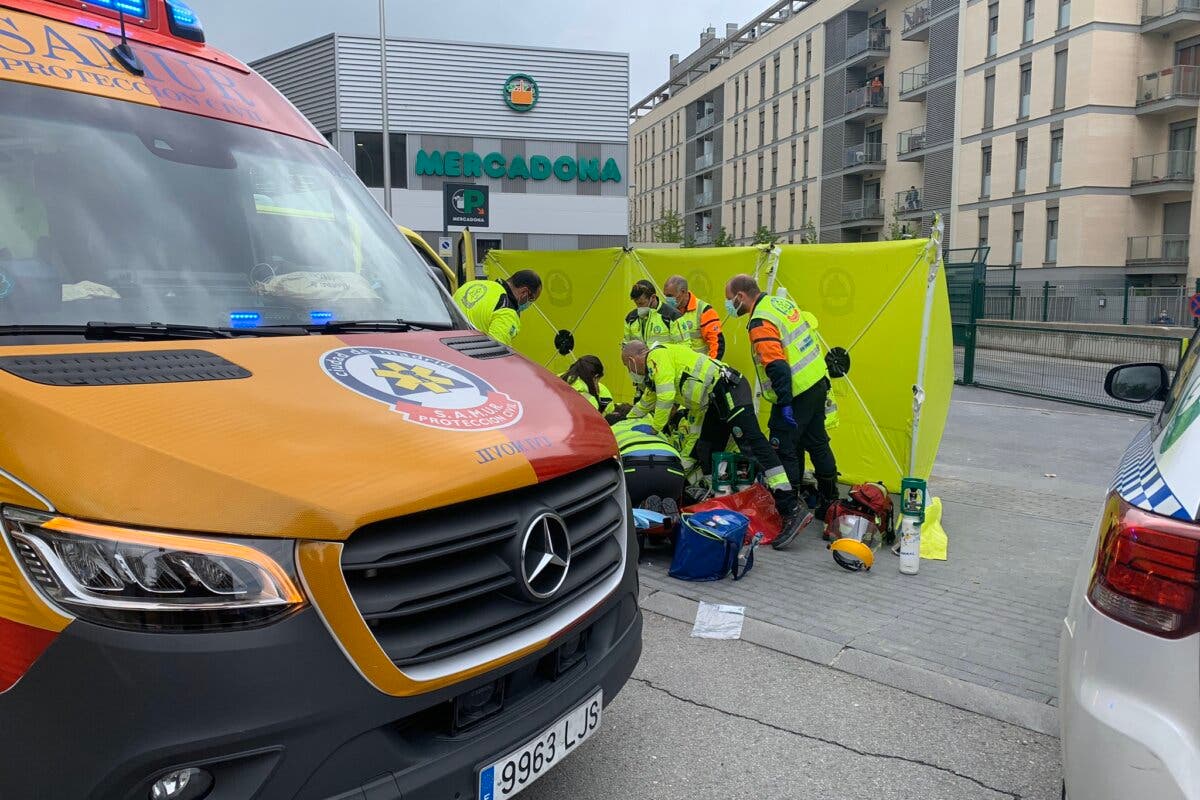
[308, 437]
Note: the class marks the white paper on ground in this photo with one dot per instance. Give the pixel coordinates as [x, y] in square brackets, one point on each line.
[719, 622]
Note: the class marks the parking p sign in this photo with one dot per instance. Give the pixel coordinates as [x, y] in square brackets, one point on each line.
[465, 204]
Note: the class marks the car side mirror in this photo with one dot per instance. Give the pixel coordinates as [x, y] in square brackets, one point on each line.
[1138, 383]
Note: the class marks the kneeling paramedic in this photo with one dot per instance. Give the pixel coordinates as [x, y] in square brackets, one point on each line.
[794, 379]
[654, 473]
[584, 377]
[495, 307]
[721, 398]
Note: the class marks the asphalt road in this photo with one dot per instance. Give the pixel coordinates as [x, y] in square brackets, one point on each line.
[729, 720]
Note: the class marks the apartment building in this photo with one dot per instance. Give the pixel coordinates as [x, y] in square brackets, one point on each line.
[1059, 134]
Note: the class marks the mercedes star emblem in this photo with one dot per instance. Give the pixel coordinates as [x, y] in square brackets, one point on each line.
[545, 556]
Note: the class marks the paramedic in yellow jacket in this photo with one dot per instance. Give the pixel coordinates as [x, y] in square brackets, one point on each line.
[650, 321]
[584, 377]
[494, 307]
[699, 325]
[721, 400]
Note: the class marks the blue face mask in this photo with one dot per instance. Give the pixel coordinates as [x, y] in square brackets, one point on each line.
[672, 302]
[521, 309]
[731, 307]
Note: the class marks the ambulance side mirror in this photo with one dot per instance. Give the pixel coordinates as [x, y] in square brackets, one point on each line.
[1138, 383]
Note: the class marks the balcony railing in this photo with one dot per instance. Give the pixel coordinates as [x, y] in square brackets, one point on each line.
[872, 39]
[860, 210]
[915, 16]
[705, 161]
[704, 199]
[914, 79]
[1179, 81]
[866, 153]
[1176, 165]
[908, 201]
[702, 238]
[1162, 249]
[866, 97]
[910, 141]
[705, 122]
[1157, 9]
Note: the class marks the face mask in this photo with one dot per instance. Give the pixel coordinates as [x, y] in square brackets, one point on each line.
[731, 307]
[672, 302]
[521, 309]
[644, 311]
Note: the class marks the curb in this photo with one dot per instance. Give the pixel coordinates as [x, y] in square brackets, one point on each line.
[991, 703]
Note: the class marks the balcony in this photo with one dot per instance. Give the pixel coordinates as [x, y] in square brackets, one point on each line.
[909, 204]
[865, 103]
[704, 161]
[700, 238]
[911, 145]
[1173, 89]
[914, 83]
[867, 213]
[916, 22]
[1164, 250]
[1164, 16]
[705, 122]
[866, 157]
[869, 45]
[1173, 171]
[702, 200]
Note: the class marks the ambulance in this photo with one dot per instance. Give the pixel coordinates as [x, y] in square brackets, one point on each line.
[275, 523]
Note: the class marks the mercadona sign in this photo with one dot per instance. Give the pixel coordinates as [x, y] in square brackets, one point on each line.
[459, 164]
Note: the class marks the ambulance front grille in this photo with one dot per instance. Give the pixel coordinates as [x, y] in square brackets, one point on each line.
[443, 582]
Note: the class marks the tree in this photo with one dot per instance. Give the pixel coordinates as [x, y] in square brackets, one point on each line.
[670, 229]
[764, 236]
[723, 238]
[808, 232]
[896, 229]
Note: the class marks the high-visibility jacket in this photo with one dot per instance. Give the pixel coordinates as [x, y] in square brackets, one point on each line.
[699, 327]
[657, 327]
[638, 438]
[600, 403]
[491, 307]
[677, 375]
[784, 345]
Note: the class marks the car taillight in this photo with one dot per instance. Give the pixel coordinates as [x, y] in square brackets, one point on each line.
[1147, 571]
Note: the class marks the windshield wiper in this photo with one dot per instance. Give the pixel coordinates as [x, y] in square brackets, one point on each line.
[376, 325]
[143, 332]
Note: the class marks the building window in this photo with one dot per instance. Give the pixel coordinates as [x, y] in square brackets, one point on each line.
[745, 134]
[793, 160]
[1051, 235]
[773, 218]
[1026, 90]
[1056, 156]
[806, 156]
[796, 63]
[735, 176]
[745, 173]
[762, 126]
[744, 231]
[776, 73]
[1064, 14]
[985, 186]
[1018, 238]
[1060, 80]
[735, 135]
[775, 167]
[792, 208]
[761, 183]
[1022, 163]
[993, 29]
[759, 217]
[983, 230]
[368, 159]
[807, 109]
[762, 82]
[737, 95]
[989, 101]
[746, 87]
[775, 122]
[803, 207]
[1027, 31]
[808, 58]
[795, 113]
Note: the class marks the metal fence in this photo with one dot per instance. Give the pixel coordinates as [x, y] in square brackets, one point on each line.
[1044, 359]
[1099, 302]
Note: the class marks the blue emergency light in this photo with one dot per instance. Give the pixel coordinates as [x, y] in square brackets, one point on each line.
[320, 317]
[183, 21]
[134, 8]
[244, 319]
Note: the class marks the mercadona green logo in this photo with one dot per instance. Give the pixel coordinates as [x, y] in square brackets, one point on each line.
[521, 92]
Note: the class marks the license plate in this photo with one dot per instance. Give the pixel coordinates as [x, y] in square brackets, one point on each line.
[513, 773]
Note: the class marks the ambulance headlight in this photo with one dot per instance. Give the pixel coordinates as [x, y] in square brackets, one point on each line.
[147, 580]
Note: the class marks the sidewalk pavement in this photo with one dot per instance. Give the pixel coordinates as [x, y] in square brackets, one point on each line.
[1021, 483]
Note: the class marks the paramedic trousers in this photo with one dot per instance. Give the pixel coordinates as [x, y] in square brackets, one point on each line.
[809, 435]
[653, 476]
[731, 411]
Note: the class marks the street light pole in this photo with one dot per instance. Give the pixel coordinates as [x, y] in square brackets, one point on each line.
[387, 130]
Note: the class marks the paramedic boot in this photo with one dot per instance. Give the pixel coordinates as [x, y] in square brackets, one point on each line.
[827, 488]
[796, 517]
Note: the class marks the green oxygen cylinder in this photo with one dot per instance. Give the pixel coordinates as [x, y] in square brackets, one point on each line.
[913, 493]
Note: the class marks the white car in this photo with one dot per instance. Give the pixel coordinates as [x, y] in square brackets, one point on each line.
[1129, 658]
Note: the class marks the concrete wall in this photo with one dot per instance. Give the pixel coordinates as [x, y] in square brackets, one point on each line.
[1079, 342]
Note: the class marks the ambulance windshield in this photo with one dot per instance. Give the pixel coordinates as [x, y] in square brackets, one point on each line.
[119, 211]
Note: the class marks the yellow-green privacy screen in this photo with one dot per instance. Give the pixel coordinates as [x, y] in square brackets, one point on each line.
[868, 298]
